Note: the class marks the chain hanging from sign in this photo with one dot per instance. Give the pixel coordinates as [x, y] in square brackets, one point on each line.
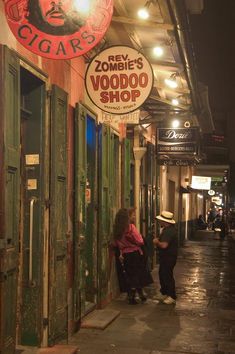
[59, 29]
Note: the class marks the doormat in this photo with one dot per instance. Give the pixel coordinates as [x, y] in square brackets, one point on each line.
[59, 349]
[99, 319]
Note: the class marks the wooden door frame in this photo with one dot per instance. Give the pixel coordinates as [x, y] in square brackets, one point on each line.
[27, 65]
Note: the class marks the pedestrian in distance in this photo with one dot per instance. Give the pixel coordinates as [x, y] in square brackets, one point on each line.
[201, 224]
[167, 245]
[129, 242]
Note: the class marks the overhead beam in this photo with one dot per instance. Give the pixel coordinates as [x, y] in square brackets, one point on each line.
[147, 24]
[166, 64]
[172, 90]
[156, 98]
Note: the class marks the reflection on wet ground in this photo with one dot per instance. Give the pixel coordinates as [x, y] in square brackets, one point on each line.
[201, 322]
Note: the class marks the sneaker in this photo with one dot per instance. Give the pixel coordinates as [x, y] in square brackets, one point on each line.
[143, 299]
[169, 301]
[160, 297]
[132, 302]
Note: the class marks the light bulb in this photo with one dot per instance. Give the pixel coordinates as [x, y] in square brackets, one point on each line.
[158, 51]
[175, 102]
[175, 123]
[171, 83]
[143, 14]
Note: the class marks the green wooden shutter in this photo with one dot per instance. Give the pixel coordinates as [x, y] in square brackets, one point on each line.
[80, 211]
[126, 170]
[9, 196]
[104, 211]
[58, 315]
[114, 177]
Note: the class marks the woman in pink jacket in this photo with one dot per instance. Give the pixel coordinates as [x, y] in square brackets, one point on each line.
[129, 242]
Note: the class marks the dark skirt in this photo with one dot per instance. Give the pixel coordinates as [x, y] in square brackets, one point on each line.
[136, 272]
[122, 277]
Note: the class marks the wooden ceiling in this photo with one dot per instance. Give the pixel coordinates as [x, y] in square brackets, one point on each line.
[166, 27]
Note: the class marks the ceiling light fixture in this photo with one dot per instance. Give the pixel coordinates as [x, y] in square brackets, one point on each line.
[143, 13]
[158, 51]
[171, 82]
[175, 102]
[175, 123]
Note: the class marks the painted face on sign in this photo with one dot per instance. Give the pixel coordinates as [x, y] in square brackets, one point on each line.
[57, 17]
[54, 12]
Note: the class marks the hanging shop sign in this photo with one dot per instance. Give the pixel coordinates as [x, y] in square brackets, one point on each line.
[119, 79]
[177, 141]
[129, 118]
[211, 192]
[201, 182]
[176, 162]
[59, 29]
[216, 200]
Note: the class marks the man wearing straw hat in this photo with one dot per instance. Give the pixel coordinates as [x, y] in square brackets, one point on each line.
[167, 245]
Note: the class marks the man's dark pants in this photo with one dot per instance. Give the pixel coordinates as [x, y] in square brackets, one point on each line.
[166, 277]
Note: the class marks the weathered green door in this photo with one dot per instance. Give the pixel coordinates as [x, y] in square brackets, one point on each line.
[104, 224]
[58, 309]
[126, 173]
[80, 211]
[114, 184]
[85, 225]
[91, 212]
[30, 289]
[9, 196]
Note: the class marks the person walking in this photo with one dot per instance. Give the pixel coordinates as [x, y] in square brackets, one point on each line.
[167, 245]
[129, 242]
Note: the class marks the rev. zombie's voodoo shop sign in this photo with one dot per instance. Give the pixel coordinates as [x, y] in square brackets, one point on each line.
[119, 79]
[59, 29]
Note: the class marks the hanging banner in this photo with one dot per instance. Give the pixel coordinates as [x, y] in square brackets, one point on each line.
[59, 29]
[119, 80]
[129, 118]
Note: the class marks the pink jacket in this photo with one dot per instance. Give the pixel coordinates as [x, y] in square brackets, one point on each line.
[130, 241]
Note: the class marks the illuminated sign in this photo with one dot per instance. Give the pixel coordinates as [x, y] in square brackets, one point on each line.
[176, 162]
[119, 80]
[216, 200]
[177, 141]
[211, 192]
[201, 182]
[59, 29]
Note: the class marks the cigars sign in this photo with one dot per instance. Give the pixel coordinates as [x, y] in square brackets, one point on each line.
[59, 29]
[119, 80]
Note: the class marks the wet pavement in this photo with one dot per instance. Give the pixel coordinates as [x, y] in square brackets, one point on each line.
[201, 322]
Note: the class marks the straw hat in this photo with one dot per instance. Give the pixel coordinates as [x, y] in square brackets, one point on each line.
[166, 216]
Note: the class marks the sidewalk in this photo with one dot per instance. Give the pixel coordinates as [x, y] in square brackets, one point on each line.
[201, 322]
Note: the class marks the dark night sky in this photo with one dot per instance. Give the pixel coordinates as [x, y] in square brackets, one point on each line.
[213, 34]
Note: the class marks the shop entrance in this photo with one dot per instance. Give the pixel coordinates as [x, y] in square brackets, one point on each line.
[30, 280]
[85, 227]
